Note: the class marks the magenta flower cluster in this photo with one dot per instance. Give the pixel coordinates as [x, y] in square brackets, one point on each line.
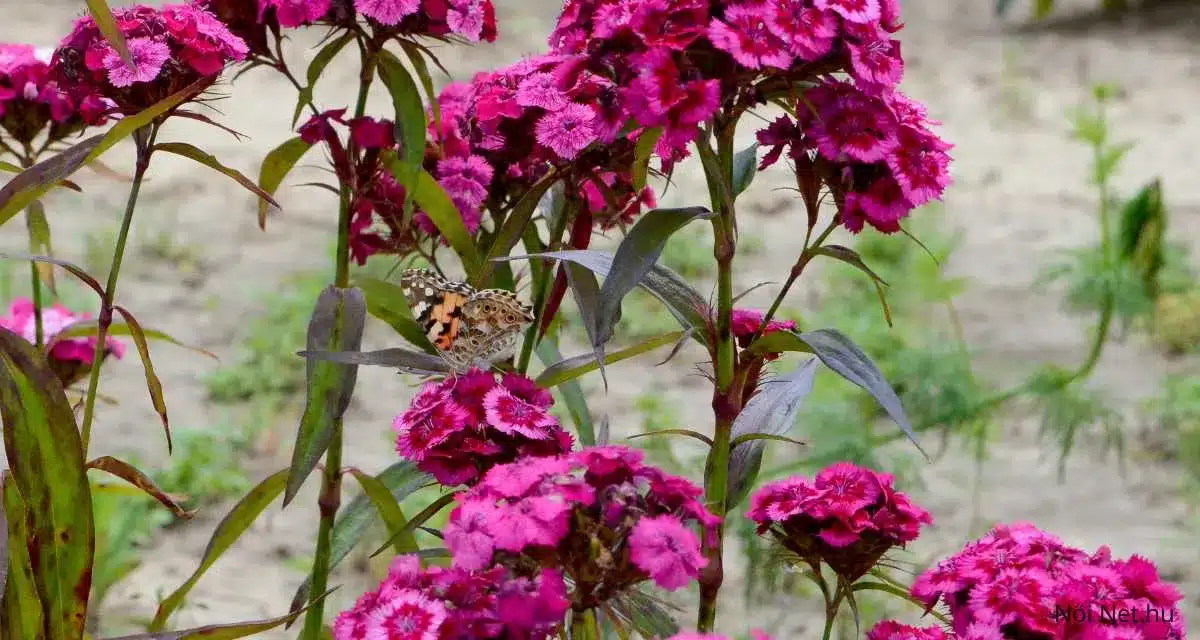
[172, 47]
[461, 427]
[69, 357]
[603, 516]
[847, 517]
[31, 100]
[454, 604]
[473, 20]
[1021, 582]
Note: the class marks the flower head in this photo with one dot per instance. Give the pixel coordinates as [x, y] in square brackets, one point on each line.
[602, 515]
[435, 603]
[171, 48]
[847, 517]
[31, 101]
[70, 358]
[1011, 582]
[746, 323]
[459, 428]
[892, 630]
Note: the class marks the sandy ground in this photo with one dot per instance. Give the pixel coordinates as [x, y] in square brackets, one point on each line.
[1019, 196]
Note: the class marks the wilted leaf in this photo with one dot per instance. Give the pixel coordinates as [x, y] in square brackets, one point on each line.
[649, 616]
[75, 270]
[330, 385]
[276, 165]
[571, 393]
[401, 479]
[386, 301]
[572, 368]
[85, 328]
[153, 384]
[107, 25]
[192, 152]
[844, 357]
[771, 411]
[586, 292]
[21, 615]
[436, 204]
[32, 183]
[745, 166]
[230, 529]
[316, 68]
[403, 359]
[137, 478]
[223, 631]
[45, 456]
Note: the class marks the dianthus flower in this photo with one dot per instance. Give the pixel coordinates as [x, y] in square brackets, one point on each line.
[459, 428]
[70, 358]
[892, 630]
[746, 322]
[1019, 581]
[876, 153]
[454, 604]
[847, 517]
[30, 99]
[604, 517]
[172, 48]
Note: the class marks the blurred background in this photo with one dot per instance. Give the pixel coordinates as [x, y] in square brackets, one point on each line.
[1067, 117]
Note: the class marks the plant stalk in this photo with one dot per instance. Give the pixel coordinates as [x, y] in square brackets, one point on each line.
[144, 140]
[584, 625]
[330, 498]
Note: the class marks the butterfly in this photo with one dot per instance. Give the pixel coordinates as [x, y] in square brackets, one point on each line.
[469, 327]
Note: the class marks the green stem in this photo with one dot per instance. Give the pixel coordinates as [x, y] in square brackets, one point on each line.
[542, 291]
[35, 284]
[144, 140]
[584, 625]
[330, 498]
[806, 256]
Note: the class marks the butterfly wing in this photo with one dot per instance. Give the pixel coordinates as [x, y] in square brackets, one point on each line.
[437, 305]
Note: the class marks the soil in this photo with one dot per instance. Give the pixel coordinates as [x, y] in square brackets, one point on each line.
[1020, 194]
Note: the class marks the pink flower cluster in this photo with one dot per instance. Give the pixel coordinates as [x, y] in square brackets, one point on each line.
[678, 62]
[172, 48]
[461, 427]
[69, 357]
[746, 322]
[604, 517]
[848, 516]
[892, 630]
[505, 129]
[1020, 582]
[754, 635]
[30, 98]
[454, 604]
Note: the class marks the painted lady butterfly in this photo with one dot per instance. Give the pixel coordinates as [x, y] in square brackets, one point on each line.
[469, 327]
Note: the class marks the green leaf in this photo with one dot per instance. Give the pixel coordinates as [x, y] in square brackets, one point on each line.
[745, 167]
[45, 457]
[1142, 236]
[586, 292]
[86, 328]
[683, 301]
[107, 25]
[771, 411]
[75, 270]
[32, 183]
[140, 480]
[751, 437]
[223, 631]
[514, 225]
[192, 152]
[410, 112]
[642, 154]
[39, 241]
[386, 301]
[389, 510]
[436, 204]
[153, 384]
[403, 359]
[402, 479]
[276, 165]
[231, 527]
[844, 357]
[572, 368]
[674, 432]
[21, 612]
[428, 512]
[571, 394]
[1042, 8]
[413, 51]
[316, 68]
[340, 314]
